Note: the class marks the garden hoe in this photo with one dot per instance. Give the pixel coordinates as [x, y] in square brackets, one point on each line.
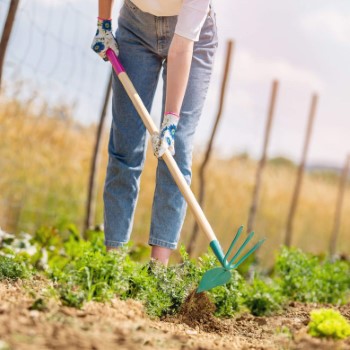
[219, 275]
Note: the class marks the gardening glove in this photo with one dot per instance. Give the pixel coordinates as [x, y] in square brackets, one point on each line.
[104, 38]
[165, 140]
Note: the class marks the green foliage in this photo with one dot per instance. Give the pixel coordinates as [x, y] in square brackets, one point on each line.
[83, 270]
[328, 323]
[229, 297]
[295, 270]
[263, 298]
[306, 278]
[10, 268]
[161, 289]
[332, 282]
[51, 245]
[164, 289]
[72, 296]
[89, 273]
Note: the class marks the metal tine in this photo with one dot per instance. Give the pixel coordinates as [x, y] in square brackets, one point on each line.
[233, 243]
[245, 256]
[251, 234]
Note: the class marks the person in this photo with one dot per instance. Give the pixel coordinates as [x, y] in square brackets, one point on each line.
[178, 37]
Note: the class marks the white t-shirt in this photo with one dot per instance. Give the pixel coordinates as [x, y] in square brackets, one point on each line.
[191, 14]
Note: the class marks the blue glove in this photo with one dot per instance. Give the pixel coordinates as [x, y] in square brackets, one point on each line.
[104, 38]
[165, 140]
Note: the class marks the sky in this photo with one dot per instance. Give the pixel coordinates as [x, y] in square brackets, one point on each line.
[305, 45]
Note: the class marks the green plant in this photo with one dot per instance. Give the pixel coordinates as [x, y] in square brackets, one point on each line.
[328, 323]
[307, 278]
[228, 298]
[163, 289]
[71, 295]
[96, 275]
[10, 268]
[295, 270]
[332, 282]
[83, 270]
[263, 298]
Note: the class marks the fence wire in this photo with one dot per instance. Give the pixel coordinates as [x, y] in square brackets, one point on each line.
[50, 77]
[49, 56]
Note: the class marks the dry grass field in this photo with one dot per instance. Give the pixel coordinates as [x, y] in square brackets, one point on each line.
[45, 160]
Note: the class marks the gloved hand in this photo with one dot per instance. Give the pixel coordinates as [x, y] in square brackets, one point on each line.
[165, 140]
[104, 38]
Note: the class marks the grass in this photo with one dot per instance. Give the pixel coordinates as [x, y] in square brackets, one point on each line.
[45, 162]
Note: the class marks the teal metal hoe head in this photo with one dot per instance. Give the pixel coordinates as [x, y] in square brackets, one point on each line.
[221, 275]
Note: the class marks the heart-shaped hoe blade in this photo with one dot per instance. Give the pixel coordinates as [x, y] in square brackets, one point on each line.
[221, 275]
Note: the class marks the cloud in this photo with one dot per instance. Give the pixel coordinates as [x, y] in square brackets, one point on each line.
[329, 22]
[249, 67]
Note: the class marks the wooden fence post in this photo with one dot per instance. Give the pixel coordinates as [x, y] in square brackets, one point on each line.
[193, 238]
[300, 174]
[262, 162]
[7, 33]
[95, 161]
[338, 209]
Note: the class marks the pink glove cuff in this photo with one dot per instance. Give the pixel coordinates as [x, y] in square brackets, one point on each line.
[104, 19]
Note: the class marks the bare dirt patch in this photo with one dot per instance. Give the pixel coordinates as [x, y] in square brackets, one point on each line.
[124, 325]
[198, 311]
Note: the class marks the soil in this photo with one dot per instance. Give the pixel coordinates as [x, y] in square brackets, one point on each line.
[124, 325]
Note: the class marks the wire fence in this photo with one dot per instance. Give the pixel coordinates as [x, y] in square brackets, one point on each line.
[48, 71]
[47, 60]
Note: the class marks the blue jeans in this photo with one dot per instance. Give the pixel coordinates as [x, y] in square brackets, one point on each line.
[144, 42]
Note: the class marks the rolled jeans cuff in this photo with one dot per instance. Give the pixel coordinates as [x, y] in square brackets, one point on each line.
[114, 244]
[160, 243]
